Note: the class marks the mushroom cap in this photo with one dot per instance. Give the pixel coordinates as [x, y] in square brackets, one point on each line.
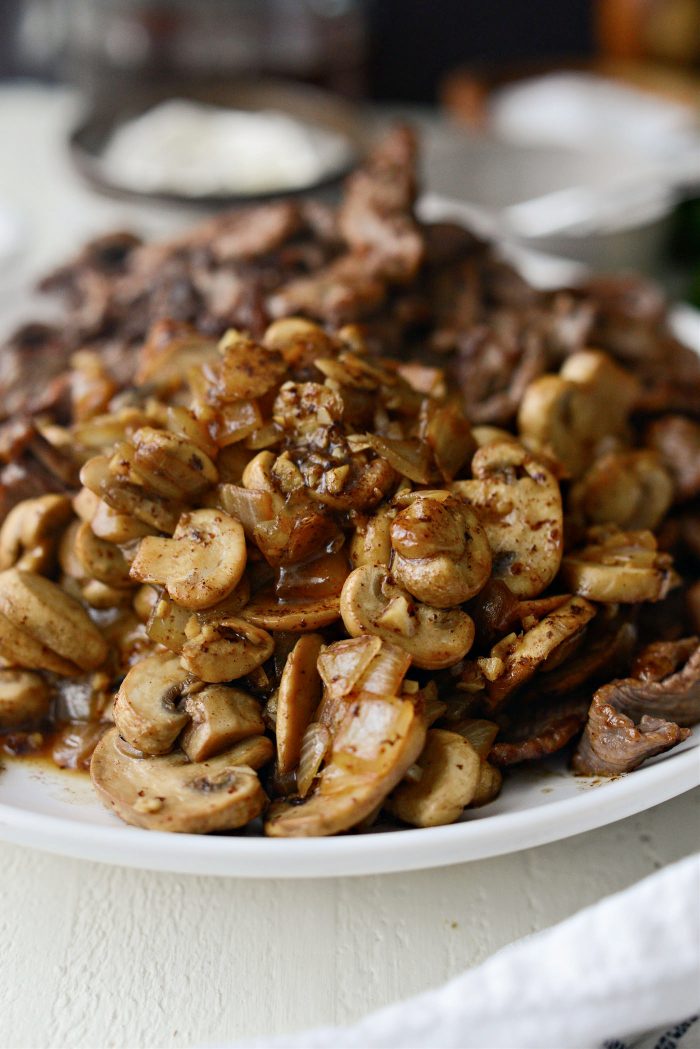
[435, 638]
[146, 710]
[441, 553]
[202, 563]
[518, 502]
[170, 793]
[450, 776]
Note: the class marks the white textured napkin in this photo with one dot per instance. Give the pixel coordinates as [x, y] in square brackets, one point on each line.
[626, 965]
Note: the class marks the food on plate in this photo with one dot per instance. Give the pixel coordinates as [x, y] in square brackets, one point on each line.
[320, 518]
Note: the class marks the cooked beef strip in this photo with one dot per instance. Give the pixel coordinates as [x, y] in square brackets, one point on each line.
[634, 718]
[538, 729]
[677, 440]
[612, 743]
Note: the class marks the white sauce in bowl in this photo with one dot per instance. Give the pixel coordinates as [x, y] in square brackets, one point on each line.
[195, 150]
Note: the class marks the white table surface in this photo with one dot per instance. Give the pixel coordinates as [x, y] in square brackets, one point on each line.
[101, 956]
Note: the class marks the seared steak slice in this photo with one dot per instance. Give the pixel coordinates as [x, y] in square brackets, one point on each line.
[634, 718]
[677, 440]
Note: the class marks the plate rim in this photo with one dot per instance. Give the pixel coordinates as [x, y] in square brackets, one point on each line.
[358, 854]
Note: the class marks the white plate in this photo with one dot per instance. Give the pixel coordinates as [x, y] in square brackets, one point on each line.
[59, 813]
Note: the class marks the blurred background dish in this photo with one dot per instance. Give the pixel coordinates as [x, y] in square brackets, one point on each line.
[573, 128]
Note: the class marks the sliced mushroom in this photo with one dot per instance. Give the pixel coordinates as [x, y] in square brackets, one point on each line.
[371, 541]
[619, 566]
[569, 416]
[372, 603]
[114, 527]
[25, 698]
[202, 563]
[518, 503]
[489, 786]
[298, 697]
[377, 742]
[100, 559]
[441, 553]
[29, 533]
[522, 655]
[450, 774]
[57, 633]
[159, 513]
[169, 793]
[147, 708]
[220, 717]
[225, 650]
[165, 463]
[630, 489]
[266, 610]
[168, 623]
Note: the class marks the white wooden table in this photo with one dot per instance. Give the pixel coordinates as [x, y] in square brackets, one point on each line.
[100, 956]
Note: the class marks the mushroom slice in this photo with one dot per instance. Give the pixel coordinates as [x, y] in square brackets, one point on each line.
[200, 565]
[298, 617]
[30, 531]
[147, 707]
[100, 559]
[629, 489]
[20, 649]
[522, 655]
[371, 541]
[220, 716]
[114, 527]
[164, 463]
[619, 566]
[372, 603]
[441, 553]
[613, 743]
[24, 698]
[489, 786]
[51, 618]
[569, 415]
[169, 793]
[518, 502]
[167, 624]
[225, 650]
[298, 697]
[378, 741]
[157, 512]
[450, 773]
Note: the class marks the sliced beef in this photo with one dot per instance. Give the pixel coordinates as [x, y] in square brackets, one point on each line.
[538, 729]
[677, 440]
[613, 743]
[634, 718]
[32, 366]
[493, 369]
[665, 681]
[630, 312]
[376, 217]
[346, 291]
[30, 466]
[605, 654]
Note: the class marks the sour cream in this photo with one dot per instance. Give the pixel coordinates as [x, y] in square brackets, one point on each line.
[196, 150]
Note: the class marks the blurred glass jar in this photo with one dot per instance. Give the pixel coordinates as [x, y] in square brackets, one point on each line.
[125, 52]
